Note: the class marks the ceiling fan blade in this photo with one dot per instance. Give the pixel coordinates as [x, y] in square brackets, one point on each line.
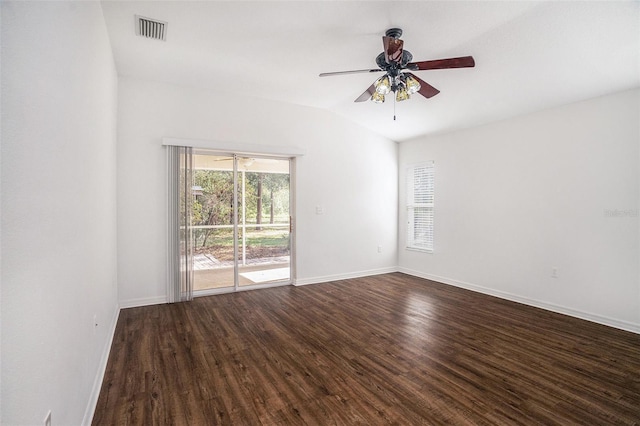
[328, 74]
[367, 94]
[426, 90]
[392, 49]
[439, 64]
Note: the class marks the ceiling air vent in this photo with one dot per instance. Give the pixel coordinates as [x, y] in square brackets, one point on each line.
[151, 28]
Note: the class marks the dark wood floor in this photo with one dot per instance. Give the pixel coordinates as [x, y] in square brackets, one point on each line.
[390, 349]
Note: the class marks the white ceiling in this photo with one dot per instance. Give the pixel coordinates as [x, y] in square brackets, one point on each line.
[529, 55]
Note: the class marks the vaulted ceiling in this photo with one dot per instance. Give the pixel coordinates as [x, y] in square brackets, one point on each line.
[529, 55]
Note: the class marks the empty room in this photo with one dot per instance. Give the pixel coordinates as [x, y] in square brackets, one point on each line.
[320, 213]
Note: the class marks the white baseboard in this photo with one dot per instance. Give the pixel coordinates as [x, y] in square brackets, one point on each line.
[102, 368]
[336, 277]
[600, 319]
[143, 301]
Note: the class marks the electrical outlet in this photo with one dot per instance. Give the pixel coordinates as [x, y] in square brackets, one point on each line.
[47, 420]
[554, 272]
[379, 249]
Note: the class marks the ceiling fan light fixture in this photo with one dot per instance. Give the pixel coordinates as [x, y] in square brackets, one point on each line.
[413, 86]
[382, 85]
[377, 98]
[402, 94]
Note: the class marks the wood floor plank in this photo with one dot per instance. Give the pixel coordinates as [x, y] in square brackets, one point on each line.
[384, 350]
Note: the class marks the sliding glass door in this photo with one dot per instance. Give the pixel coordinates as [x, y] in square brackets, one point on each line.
[241, 220]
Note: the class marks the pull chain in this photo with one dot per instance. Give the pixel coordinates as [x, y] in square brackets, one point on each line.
[394, 107]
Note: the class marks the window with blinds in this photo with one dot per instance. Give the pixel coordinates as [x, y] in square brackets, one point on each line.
[420, 190]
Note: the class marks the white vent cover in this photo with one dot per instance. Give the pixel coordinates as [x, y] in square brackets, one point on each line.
[151, 28]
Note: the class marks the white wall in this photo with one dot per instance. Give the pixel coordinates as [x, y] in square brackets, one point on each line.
[59, 89]
[350, 172]
[516, 198]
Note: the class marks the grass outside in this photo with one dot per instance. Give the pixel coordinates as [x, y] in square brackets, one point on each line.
[259, 244]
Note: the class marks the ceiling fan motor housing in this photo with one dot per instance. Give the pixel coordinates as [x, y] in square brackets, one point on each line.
[394, 68]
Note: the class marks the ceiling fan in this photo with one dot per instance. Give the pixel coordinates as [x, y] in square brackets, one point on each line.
[396, 63]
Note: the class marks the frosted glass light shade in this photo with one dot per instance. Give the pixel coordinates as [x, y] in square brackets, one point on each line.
[377, 98]
[402, 94]
[382, 85]
[412, 85]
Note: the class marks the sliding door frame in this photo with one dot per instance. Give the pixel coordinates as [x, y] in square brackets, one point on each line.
[292, 234]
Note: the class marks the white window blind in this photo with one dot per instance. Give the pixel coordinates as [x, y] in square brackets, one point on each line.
[180, 241]
[420, 193]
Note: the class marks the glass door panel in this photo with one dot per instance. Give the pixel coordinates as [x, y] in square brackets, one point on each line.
[264, 221]
[213, 222]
